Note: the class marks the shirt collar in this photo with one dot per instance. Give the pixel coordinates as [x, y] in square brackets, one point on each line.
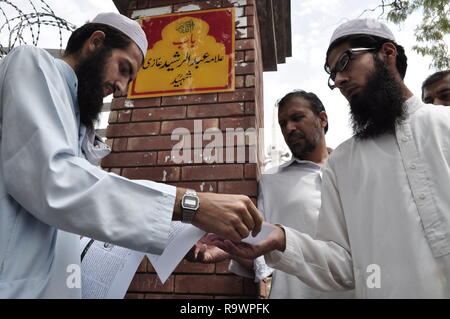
[295, 160]
[413, 104]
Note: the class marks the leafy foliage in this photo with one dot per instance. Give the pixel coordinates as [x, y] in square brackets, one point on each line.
[433, 30]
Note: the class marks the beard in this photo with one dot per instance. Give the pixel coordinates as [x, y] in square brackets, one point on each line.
[301, 151]
[379, 106]
[90, 74]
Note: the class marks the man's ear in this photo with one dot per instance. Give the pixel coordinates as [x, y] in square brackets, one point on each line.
[95, 41]
[323, 119]
[389, 54]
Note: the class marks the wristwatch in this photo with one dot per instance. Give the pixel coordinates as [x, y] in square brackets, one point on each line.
[189, 204]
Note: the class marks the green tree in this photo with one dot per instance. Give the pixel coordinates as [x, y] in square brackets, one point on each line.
[431, 33]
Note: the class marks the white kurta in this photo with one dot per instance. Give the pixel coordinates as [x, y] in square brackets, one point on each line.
[384, 223]
[49, 192]
[290, 195]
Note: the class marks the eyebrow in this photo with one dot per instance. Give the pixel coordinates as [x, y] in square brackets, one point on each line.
[443, 90]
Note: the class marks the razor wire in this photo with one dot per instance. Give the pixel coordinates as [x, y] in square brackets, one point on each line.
[15, 23]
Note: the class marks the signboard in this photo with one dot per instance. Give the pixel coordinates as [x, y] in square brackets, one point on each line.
[188, 53]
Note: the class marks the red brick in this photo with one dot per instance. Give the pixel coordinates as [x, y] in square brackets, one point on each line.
[250, 21]
[250, 171]
[168, 127]
[150, 283]
[212, 172]
[249, 80]
[132, 4]
[182, 157]
[238, 95]
[208, 284]
[250, 55]
[157, 114]
[142, 4]
[160, 3]
[203, 5]
[245, 68]
[249, 108]
[124, 116]
[150, 143]
[250, 32]
[239, 81]
[109, 142]
[237, 122]
[113, 115]
[121, 103]
[208, 155]
[134, 296]
[250, 287]
[133, 129]
[188, 267]
[247, 44]
[157, 174]
[143, 265]
[120, 144]
[150, 268]
[189, 99]
[239, 56]
[249, 10]
[130, 159]
[147, 102]
[222, 267]
[215, 110]
[208, 187]
[248, 188]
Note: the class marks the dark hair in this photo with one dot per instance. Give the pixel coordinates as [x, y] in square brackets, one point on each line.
[433, 78]
[315, 103]
[114, 38]
[371, 41]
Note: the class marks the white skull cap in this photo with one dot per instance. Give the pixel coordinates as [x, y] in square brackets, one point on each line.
[362, 26]
[127, 26]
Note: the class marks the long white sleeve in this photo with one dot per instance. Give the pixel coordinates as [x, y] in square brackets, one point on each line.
[323, 263]
[44, 174]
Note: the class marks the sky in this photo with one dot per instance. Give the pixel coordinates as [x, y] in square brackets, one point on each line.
[313, 22]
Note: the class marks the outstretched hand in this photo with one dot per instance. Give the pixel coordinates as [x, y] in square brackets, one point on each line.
[275, 240]
[204, 252]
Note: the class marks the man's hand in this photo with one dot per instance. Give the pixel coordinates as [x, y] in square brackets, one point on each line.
[275, 240]
[230, 216]
[204, 252]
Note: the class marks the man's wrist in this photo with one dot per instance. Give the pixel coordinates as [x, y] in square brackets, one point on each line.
[177, 211]
[281, 238]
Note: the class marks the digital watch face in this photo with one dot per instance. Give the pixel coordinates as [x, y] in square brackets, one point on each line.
[190, 202]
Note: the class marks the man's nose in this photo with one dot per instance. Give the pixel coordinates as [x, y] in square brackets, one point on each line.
[290, 126]
[120, 88]
[340, 79]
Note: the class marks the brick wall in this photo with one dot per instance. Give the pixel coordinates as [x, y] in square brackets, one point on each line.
[139, 133]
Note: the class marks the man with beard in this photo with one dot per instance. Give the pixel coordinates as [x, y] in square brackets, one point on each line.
[384, 223]
[290, 194]
[436, 88]
[50, 191]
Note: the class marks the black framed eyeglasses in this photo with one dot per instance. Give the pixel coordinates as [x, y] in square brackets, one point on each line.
[342, 64]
